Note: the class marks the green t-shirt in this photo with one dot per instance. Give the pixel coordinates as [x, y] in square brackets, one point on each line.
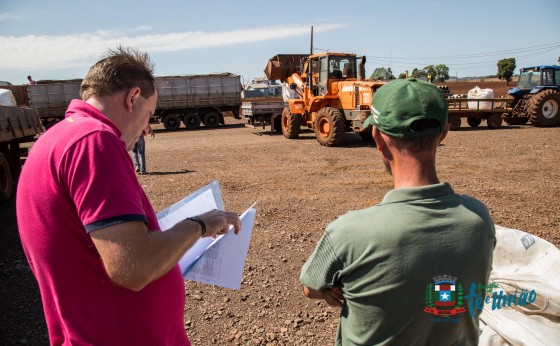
[386, 256]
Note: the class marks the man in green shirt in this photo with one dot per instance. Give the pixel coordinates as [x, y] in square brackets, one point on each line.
[397, 269]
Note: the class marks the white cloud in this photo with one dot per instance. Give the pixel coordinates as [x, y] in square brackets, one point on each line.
[54, 52]
[7, 16]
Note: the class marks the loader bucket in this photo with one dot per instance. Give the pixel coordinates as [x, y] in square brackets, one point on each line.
[281, 66]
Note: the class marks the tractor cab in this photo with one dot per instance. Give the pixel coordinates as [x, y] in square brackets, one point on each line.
[534, 79]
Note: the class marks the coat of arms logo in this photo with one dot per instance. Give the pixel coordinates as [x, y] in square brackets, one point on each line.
[444, 297]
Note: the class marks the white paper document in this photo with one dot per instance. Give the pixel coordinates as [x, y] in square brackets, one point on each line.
[217, 261]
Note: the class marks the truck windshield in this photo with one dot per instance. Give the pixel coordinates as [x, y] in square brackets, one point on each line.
[528, 79]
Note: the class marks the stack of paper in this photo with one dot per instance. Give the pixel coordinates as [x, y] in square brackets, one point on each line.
[217, 261]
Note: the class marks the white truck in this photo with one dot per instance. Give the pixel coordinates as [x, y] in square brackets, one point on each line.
[263, 112]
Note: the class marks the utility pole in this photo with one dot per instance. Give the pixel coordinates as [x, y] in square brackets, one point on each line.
[311, 45]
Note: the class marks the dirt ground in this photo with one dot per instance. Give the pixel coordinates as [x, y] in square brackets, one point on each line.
[299, 187]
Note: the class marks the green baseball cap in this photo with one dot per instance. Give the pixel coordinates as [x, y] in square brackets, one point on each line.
[408, 108]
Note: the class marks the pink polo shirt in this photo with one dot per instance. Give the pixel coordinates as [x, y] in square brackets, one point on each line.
[79, 177]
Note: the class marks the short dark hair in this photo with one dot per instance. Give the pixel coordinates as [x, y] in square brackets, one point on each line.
[120, 69]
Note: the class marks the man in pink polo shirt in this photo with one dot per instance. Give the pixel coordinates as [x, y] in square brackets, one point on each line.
[107, 274]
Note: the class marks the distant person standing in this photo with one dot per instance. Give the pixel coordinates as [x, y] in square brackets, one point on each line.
[140, 150]
[30, 81]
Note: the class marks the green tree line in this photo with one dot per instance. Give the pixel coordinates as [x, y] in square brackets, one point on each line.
[440, 73]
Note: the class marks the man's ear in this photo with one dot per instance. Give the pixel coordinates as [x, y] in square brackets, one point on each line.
[131, 98]
[445, 132]
[379, 141]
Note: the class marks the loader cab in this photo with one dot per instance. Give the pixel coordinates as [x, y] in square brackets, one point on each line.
[325, 68]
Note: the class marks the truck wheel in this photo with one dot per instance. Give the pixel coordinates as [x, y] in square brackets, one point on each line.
[192, 121]
[6, 184]
[290, 124]
[171, 122]
[474, 121]
[212, 120]
[329, 126]
[543, 108]
[278, 124]
[494, 121]
[454, 122]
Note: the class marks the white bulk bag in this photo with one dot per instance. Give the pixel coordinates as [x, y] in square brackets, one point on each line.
[523, 261]
[478, 93]
[7, 98]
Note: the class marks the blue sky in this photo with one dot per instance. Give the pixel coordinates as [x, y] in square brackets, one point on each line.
[61, 39]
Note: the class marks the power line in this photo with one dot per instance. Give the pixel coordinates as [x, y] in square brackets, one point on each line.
[407, 62]
[542, 47]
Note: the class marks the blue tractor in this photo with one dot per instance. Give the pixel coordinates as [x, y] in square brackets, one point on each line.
[536, 97]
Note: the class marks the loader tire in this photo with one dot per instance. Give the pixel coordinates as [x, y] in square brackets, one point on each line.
[543, 109]
[192, 121]
[329, 127]
[171, 122]
[290, 124]
[6, 183]
[474, 121]
[211, 120]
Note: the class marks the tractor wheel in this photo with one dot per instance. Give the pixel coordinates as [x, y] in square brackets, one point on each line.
[544, 107]
[6, 184]
[494, 121]
[474, 121]
[290, 124]
[192, 121]
[212, 120]
[171, 122]
[454, 122]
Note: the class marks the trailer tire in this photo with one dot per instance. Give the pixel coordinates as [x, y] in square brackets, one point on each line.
[277, 124]
[474, 121]
[211, 120]
[544, 108]
[192, 121]
[494, 121]
[329, 127]
[454, 122]
[290, 124]
[6, 183]
[171, 122]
